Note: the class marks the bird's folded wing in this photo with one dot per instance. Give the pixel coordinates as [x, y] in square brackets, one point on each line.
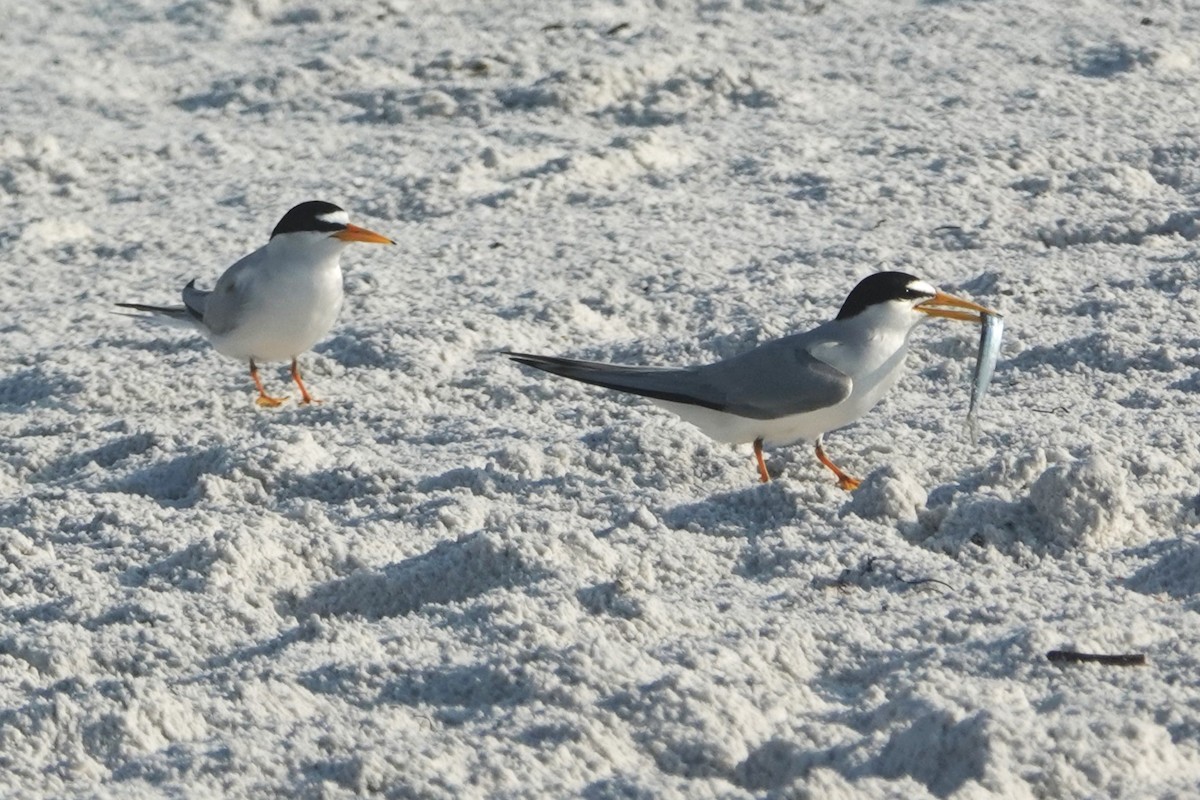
[759, 385]
[222, 313]
[223, 306]
[777, 379]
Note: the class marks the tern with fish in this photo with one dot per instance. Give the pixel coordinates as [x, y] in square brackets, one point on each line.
[795, 388]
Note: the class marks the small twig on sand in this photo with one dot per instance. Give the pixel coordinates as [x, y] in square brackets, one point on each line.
[919, 581]
[1055, 410]
[1072, 657]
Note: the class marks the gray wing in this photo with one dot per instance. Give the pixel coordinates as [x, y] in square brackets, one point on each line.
[774, 380]
[221, 308]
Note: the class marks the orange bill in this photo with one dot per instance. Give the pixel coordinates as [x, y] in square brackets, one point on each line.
[353, 233]
[951, 307]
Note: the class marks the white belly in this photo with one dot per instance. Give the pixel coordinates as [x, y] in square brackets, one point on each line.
[868, 389]
[279, 325]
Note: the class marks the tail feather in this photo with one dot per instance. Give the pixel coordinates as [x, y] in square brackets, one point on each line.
[659, 383]
[189, 314]
[170, 315]
[169, 311]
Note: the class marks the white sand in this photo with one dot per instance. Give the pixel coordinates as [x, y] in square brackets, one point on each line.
[458, 579]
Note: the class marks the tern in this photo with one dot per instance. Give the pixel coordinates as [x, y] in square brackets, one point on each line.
[795, 388]
[278, 301]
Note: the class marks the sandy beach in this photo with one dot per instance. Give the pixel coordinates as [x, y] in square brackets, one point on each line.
[457, 578]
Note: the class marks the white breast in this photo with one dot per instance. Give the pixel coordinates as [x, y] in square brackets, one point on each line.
[285, 305]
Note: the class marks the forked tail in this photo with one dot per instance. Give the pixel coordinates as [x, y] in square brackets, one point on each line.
[660, 383]
[190, 314]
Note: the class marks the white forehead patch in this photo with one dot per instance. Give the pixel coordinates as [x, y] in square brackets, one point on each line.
[924, 287]
[338, 217]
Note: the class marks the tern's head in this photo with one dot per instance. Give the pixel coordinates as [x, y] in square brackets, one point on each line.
[316, 222]
[906, 300]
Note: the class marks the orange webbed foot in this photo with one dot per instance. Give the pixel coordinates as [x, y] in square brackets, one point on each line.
[845, 482]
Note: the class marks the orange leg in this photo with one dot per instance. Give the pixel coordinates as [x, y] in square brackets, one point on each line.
[305, 397]
[844, 481]
[264, 399]
[762, 465]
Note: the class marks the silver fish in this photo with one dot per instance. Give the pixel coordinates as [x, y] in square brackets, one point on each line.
[990, 330]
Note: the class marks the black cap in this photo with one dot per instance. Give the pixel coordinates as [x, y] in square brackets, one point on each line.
[312, 215]
[880, 288]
